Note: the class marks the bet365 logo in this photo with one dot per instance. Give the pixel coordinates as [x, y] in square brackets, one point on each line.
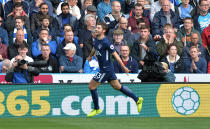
[185, 101]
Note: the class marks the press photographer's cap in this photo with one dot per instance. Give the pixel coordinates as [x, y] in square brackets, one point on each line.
[70, 46]
[91, 8]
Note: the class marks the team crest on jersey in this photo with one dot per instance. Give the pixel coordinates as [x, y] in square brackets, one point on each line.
[111, 46]
[99, 46]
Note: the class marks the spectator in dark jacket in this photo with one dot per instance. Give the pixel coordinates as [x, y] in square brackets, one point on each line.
[70, 63]
[9, 6]
[17, 12]
[34, 6]
[194, 42]
[52, 63]
[36, 18]
[165, 15]
[127, 60]
[143, 45]
[195, 64]
[45, 24]
[174, 61]
[1, 10]
[201, 20]
[66, 18]
[68, 38]
[3, 33]
[19, 25]
[13, 47]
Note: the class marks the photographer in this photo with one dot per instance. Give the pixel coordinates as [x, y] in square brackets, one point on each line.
[21, 72]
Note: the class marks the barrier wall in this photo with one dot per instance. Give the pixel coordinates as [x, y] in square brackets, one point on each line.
[85, 78]
[74, 100]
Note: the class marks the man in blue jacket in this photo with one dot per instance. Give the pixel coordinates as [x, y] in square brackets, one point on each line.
[165, 15]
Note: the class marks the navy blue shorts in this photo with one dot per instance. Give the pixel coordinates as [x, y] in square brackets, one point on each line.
[104, 76]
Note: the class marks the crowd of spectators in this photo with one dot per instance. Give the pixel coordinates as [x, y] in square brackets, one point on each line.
[62, 32]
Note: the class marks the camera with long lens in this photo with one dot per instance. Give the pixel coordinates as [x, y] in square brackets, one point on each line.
[40, 63]
[152, 70]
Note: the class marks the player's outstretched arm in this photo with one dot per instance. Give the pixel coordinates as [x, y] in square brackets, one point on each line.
[117, 57]
[91, 54]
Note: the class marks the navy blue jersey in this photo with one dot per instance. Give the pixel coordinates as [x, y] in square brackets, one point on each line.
[103, 49]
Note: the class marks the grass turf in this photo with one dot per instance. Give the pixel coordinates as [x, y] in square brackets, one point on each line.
[104, 123]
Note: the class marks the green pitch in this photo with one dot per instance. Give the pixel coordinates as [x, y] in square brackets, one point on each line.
[105, 123]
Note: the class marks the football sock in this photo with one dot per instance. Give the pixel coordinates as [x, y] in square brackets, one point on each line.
[94, 94]
[129, 93]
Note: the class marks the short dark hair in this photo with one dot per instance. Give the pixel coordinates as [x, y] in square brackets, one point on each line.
[18, 4]
[145, 27]
[171, 45]
[138, 5]
[140, 20]
[20, 17]
[188, 18]
[104, 25]
[43, 30]
[43, 4]
[66, 25]
[45, 17]
[23, 45]
[45, 45]
[201, 1]
[64, 4]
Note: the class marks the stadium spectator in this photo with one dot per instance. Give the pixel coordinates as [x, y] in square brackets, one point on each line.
[44, 38]
[13, 48]
[112, 18]
[165, 15]
[90, 10]
[127, 60]
[104, 8]
[45, 24]
[195, 64]
[157, 6]
[184, 34]
[1, 10]
[17, 11]
[84, 10]
[206, 37]
[3, 51]
[168, 38]
[202, 19]
[68, 38]
[88, 45]
[22, 51]
[91, 66]
[194, 42]
[5, 65]
[52, 63]
[34, 6]
[145, 44]
[123, 25]
[36, 18]
[9, 6]
[3, 33]
[74, 9]
[174, 61]
[184, 9]
[132, 21]
[118, 40]
[70, 63]
[19, 25]
[67, 18]
[90, 24]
